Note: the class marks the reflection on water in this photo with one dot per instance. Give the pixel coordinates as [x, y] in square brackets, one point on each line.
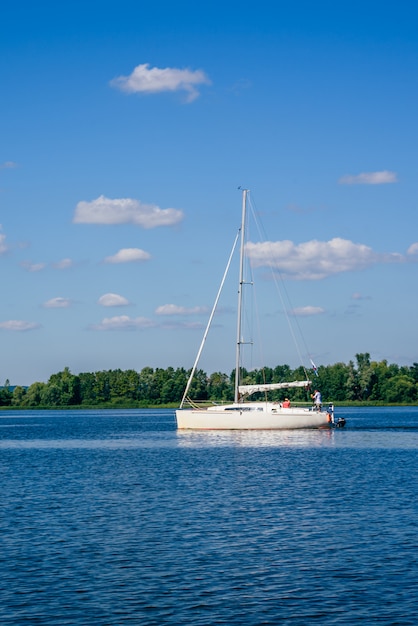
[256, 438]
[308, 439]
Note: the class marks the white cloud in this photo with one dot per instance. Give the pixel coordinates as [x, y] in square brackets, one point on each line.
[413, 249]
[125, 211]
[174, 309]
[7, 165]
[33, 267]
[57, 303]
[123, 322]
[19, 325]
[152, 80]
[314, 260]
[369, 178]
[128, 255]
[112, 299]
[64, 264]
[306, 311]
[3, 246]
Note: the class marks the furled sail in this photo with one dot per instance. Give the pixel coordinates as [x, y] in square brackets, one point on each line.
[248, 390]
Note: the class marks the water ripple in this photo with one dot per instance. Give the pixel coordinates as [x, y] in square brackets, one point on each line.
[111, 520]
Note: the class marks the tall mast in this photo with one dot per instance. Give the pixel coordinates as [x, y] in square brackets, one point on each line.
[240, 284]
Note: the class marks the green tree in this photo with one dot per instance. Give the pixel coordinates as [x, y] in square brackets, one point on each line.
[103, 387]
[219, 387]
[335, 379]
[180, 382]
[19, 394]
[5, 394]
[88, 388]
[413, 372]
[381, 373]
[34, 394]
[63, 389]
[146, 388]
[352, 387]
[365, 372]
[199, 386]
[400, 388]
[51, 395]
[281, 373]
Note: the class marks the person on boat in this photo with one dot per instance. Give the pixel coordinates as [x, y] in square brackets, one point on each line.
[316, 397]
[286, 403]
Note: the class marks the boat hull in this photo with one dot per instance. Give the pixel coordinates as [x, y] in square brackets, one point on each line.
[257, 417]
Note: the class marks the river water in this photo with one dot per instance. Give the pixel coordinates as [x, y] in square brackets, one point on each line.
[113, 517]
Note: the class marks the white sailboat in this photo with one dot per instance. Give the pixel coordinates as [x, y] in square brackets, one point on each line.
[243, 414]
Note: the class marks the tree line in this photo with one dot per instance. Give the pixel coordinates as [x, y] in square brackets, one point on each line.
[361, 381]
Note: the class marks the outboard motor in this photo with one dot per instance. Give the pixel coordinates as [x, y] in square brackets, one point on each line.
[340, 423]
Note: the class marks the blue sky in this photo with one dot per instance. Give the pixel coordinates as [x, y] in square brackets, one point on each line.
[126, 130]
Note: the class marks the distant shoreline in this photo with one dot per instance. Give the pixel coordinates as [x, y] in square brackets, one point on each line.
[173, 406]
